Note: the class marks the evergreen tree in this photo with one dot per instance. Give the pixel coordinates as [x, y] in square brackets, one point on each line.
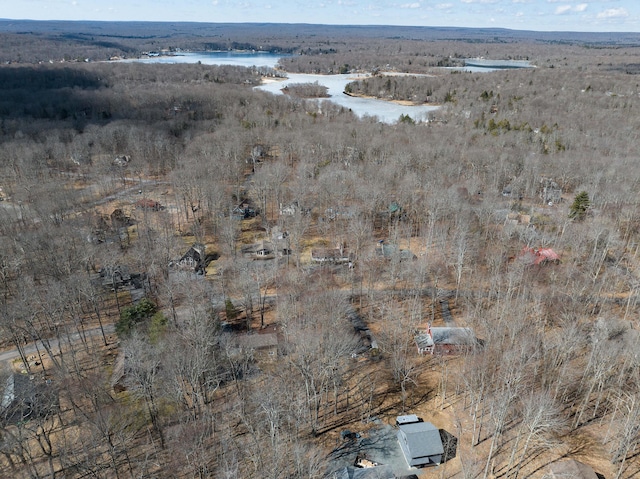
[580, 206]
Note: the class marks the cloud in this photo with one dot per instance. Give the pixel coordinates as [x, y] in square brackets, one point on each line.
[479, 1]
[410, 5]
[444, 6]
[613, 13]
[564, 9]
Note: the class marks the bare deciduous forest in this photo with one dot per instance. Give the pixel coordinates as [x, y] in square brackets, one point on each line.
[201, 279]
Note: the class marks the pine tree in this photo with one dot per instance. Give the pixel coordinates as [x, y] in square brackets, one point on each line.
[580, 206]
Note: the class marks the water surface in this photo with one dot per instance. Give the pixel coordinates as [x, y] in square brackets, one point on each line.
[384, 111]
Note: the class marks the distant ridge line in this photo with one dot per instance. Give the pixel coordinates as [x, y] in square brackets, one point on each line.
[198, 29]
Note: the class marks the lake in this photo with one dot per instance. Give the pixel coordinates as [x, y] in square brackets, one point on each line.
[239, 58]
[384, 111]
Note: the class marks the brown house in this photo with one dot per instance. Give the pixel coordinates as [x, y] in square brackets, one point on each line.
[148, 204]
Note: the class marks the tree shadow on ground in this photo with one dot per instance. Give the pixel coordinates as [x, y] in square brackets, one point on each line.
[449, 444]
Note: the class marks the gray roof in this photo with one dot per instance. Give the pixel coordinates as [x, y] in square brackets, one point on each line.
[258, 341]
[423, 439]
[424, 341]
[24, 397]
[379, 472]
[409, 418]
[453, 335]
[446, 335]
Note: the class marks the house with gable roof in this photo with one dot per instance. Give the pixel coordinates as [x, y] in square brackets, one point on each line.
[420, 442]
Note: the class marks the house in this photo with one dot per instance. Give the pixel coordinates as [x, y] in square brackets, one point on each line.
[243, 211]
[334, 256]
[195, 258]
[570, 469]
[122, 160]
[25, 397]
[390, 251]
[535, 257]
[264, 253]
[148, 204]
[375, 472]
[420, 443]
[263, 345]
[290, 209]
[518, 219]
[446, 340]
[115, 276]
[339, 213]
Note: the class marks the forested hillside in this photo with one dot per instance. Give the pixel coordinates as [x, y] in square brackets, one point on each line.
[201, 279]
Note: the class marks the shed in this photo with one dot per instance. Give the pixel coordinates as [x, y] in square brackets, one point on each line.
[420, 443]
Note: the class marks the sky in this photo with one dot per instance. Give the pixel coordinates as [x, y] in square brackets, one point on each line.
[542, 15]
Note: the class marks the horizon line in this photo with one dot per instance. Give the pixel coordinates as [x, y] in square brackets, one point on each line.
[356, 25]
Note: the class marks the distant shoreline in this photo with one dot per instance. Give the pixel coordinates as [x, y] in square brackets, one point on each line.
[397, 102]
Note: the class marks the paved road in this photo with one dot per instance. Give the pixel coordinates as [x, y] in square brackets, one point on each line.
[31, 348]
